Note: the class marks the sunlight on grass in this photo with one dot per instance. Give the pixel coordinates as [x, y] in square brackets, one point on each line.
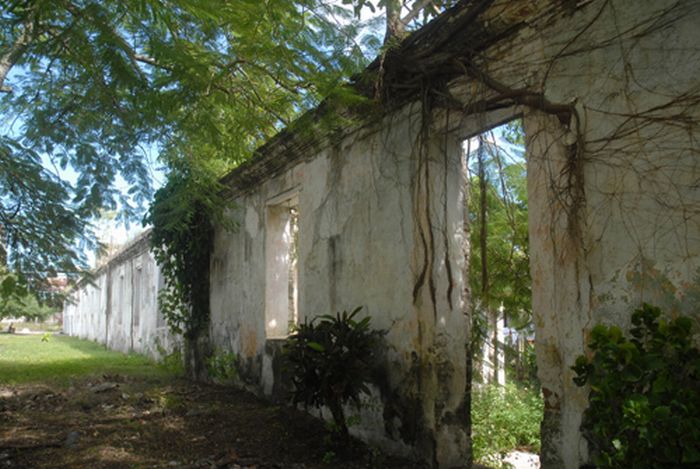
[505, 419]
[27, 359]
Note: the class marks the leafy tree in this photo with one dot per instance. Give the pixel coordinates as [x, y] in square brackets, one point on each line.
[16, 300]
[401, 15]
[498, 211]
[27, 306]
[90, 88]
[38, 225]
[499, 261]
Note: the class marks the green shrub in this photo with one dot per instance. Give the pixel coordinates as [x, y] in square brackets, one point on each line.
[504, 419]
[222, 366]
[171, 362]
[331, 361]
[644, 400]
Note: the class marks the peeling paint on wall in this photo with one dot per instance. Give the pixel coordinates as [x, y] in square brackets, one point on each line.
[611, 115]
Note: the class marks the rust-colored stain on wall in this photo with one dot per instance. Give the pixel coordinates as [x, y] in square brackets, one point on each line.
[249, 342]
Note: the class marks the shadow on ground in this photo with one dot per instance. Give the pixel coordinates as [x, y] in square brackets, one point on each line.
[117, 421]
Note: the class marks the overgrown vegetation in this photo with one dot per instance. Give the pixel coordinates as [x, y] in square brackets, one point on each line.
[18, 299]
[504, 419]
[95, 88]
[331, 362]
[499, 264]
[499, 269]
[171, 362]
[222, 366]
[521, 361]
[644, 400]
[183, 215]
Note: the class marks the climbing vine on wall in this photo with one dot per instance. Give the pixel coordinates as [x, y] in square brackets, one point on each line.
[183, 214]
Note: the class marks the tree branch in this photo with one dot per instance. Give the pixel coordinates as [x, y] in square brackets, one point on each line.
[150, 61]
[10, 57]
[415, 11]
[125, 46]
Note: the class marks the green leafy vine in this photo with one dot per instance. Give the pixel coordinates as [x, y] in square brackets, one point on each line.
[183, 215]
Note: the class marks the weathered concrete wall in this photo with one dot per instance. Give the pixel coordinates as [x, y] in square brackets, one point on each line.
[613, 192]
[360, 214]
[609, 95]
[608, 92]
[118, 307]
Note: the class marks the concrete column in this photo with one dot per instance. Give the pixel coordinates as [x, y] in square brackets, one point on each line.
[443, 327]
[559, 295]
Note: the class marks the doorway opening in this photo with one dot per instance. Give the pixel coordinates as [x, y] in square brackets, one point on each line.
[282, 268]
[506, 403]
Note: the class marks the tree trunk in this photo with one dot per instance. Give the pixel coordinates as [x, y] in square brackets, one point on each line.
[520, 352]
[9, 57]
[490, 354]
[483, 223]
[197, 349]
[395, 29]
[3, 247]
[339, 419]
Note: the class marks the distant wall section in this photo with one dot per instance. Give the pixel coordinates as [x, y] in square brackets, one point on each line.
[118, 305]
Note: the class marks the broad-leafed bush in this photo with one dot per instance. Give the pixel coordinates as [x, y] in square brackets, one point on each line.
[644, 400]
[331, 362]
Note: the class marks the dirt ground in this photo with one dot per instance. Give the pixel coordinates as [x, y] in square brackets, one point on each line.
[118, 422]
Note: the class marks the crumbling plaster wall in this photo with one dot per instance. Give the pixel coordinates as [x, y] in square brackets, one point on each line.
[362, 215]
[608, 92]
[614, 199]
[105, 307]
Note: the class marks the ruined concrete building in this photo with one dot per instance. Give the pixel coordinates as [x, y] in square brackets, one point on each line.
[117, 305]
[373, 214]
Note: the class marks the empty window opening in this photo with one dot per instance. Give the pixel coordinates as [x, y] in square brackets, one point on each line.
[120, 298]
[282, 263]
[502, 343]
[155, 291]
[136, 306]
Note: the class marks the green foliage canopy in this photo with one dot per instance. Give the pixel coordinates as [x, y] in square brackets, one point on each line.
[91, 87]
[507, 221]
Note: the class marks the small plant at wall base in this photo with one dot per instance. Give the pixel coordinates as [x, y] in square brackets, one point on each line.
[171, 361]
[644, 403]
[331, 362]
[222, 366]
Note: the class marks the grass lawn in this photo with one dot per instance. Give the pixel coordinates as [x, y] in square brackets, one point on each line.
[28, 359]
